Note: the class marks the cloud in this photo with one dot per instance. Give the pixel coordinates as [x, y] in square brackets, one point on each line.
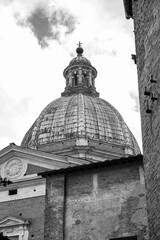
[48, 23]
[100, 47]
[6, 2]
[11, 113]
[135, 97]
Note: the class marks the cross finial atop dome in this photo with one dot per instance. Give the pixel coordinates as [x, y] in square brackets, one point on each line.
[79, 50]
[79, 44]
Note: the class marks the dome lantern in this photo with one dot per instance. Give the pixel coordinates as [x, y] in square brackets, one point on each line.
[80, 76]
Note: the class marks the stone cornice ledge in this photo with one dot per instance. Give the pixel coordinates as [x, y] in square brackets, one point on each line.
[128, 8]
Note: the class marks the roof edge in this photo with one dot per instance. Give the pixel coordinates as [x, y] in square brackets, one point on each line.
[128, 8]
[109, 163]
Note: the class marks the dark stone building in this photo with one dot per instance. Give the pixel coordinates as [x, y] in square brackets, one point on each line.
[146, 17]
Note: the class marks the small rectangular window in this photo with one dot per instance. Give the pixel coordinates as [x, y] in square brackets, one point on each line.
[12, 192]
[125, 238]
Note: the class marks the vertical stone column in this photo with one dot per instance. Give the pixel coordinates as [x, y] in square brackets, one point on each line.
[90, 78]
[54, 209]
[146, 15]
[79, 76]
[70, 78]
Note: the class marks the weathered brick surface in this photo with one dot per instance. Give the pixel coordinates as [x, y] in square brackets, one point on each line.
[99, 204]
[54, 211]
[147, 38]
[30, 209]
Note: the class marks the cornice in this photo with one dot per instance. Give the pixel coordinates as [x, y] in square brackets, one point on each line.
[121, 161]
[128, 8]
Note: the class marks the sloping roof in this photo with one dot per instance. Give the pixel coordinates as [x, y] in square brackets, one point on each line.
[128, 8]
[121, 161]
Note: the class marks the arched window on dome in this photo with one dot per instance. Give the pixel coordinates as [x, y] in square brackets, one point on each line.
[85, 79]
[92, 81]
[75, 80]
[67, 82]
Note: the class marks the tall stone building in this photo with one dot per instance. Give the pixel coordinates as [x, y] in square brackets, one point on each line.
[146, 17]
[78, 173]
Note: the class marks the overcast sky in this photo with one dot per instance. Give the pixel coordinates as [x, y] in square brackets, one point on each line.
[37, 41]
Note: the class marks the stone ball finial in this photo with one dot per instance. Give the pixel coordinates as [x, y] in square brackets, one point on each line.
[79, 50]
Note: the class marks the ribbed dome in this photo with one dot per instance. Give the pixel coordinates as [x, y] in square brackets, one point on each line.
[79, 116]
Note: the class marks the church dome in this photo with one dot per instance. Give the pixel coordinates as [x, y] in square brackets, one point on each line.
[80, 114]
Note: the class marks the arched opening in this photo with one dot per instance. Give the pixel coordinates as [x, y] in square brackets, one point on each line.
[75, 80]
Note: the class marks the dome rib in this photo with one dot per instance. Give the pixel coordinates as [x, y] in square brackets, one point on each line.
[70, 119]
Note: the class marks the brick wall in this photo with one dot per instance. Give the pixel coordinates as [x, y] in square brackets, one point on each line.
[98, 204]
[54, 211]
[146, 16]
[30, 209]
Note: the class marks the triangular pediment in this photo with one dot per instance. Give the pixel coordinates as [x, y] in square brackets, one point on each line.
[12, 221]
[35, 157]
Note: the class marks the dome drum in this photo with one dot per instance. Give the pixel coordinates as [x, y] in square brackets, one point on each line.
[87, 149]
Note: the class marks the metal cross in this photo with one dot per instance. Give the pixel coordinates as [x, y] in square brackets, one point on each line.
[4, 182]
[79, 44]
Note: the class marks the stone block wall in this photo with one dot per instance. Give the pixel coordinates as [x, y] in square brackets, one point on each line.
[146, 16]
[96, 204]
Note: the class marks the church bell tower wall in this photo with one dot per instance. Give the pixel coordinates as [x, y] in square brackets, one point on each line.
[146, 16]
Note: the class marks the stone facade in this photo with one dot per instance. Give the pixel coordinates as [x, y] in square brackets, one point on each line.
[96, 202]
[146, 16]
[22, 203]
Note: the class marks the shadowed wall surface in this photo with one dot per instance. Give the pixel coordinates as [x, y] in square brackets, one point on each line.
[146, 15]
[96, 204]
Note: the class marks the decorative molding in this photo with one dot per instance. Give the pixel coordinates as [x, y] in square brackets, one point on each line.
[13, 169]
[29, 191]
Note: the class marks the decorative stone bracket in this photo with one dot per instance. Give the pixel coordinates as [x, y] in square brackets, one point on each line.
[151, 95]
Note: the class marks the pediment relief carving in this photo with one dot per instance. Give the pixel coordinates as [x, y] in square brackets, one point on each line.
[14, 228]
[13, 168]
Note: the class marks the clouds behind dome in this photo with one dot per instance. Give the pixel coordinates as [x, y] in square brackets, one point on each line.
[48, 26]
[46, 22]
[28, 70]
